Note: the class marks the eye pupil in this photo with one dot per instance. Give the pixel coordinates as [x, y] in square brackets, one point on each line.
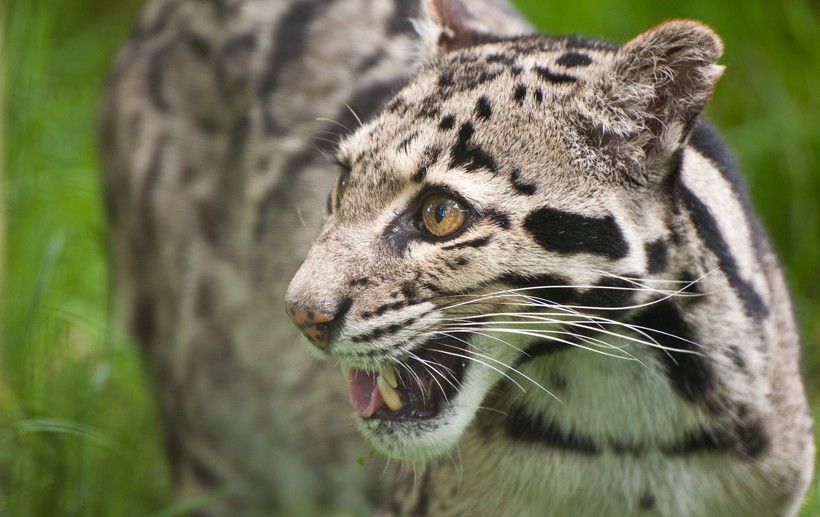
[442, 215]
[441, 211]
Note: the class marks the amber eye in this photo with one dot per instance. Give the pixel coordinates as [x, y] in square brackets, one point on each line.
[442, 215]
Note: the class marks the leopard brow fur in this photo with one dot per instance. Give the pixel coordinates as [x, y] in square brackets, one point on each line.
[606, 332]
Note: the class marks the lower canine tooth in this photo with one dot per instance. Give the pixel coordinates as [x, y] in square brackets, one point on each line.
[389, 394]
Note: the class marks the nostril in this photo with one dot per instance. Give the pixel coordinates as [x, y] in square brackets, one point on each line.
[314, 324]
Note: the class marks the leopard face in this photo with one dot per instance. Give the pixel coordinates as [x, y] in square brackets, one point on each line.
[507, 200]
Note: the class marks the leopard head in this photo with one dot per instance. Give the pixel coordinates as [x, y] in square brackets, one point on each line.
[502, 203]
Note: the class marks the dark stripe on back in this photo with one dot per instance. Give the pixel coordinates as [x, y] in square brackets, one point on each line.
[290, 41]
[156, 78]
[709, 143]
[708, 231]
[569, 233]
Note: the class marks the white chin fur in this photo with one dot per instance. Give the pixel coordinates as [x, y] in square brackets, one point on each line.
[422, 440]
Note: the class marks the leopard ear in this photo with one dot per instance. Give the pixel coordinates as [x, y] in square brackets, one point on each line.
[449, 24]
[662, 80]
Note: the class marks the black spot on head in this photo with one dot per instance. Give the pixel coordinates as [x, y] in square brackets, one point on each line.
[688, 371]
[520, 93]
[447, 122]
[468, 154]
[538, 95]
[446, 79]
[657, 256]
[574, 59]
[483, 108]
[569, 233]
[521, 187]
[430, 157]
[553, 77]
[528, 428]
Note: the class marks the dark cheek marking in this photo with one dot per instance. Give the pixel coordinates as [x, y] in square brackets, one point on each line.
[657, 256]
[688, 371]
[550, 288]
[528, 428]
[568, 233]
[609, 293]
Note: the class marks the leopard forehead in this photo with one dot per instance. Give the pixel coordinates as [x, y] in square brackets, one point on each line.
[510, 107]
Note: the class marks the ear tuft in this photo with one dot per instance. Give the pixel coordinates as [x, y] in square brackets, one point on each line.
[662, 80]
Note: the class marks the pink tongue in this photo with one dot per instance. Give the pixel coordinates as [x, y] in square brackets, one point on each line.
[364, 395]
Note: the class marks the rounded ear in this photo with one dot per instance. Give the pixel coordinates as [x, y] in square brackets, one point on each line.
[662, 80]
[449, 24]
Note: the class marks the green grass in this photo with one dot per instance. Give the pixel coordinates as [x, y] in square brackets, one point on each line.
[78, 431]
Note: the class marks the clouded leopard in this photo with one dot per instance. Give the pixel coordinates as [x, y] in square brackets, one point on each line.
[538, 268]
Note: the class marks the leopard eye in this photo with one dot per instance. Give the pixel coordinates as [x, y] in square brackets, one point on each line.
[441, 215]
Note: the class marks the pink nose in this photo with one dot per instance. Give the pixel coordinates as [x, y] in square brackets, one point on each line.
[313, 324]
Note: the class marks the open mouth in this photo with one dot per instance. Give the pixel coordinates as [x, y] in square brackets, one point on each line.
[415, 390]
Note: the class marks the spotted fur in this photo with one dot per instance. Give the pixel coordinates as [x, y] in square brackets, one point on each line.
[217, 120]
[625, 337]
[623, 327]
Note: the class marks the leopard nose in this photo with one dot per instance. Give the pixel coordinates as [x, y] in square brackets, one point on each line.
[313, 324]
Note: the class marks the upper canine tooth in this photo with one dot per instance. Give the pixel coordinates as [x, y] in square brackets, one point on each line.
[389, 394]
[345, 373]
[389, 374]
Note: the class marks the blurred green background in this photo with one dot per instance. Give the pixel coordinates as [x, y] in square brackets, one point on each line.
[78, 434]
